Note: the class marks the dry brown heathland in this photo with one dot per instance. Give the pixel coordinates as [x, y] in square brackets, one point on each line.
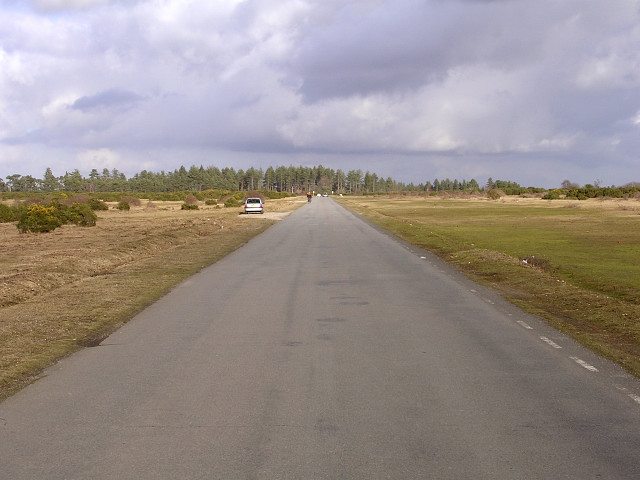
[69, 288]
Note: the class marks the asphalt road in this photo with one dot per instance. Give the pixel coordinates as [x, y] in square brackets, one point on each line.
[325, 349]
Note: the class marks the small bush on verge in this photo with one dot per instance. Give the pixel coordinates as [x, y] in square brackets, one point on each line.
[232, 202]
[96, 205]
[39, 219]
[495, 194]
[190, 203]
[552, 195]
[132, 201]
[81, 215]
[191, 200]
[8, 214]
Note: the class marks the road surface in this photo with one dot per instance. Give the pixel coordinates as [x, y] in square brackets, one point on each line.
[325, 349]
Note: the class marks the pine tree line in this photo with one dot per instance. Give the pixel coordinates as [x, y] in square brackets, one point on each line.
[197, 179]
[284, 179]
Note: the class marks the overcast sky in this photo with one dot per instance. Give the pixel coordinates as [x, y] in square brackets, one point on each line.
[534, 91]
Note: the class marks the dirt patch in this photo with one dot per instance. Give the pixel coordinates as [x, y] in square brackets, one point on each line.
[266, 215]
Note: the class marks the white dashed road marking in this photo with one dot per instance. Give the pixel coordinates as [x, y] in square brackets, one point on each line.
[524, 325]
[584, 364]
[550, 342]
[635, 397]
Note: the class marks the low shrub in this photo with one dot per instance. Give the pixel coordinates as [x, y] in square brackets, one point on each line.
[109, 196]
[81, 199]
[30, 201]
[122, 205]
[132, 201]
[211, 201]
[232, 202]
[38, 219]
[8, 214]
[495, 194]
[552, 195]
[212, 194]
[96, 205]
[191, 200]
[81, 215]
[190, 203]
[274, 195]
[165, 196]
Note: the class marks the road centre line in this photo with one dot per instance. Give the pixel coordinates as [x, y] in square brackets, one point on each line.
[584, 364]
[550, 342]
[524, 325]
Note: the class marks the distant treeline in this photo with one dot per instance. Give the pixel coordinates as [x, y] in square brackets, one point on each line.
[448, 185]
[282, 179]
[279, 179]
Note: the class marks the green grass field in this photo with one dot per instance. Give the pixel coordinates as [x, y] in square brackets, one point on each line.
[582, 270]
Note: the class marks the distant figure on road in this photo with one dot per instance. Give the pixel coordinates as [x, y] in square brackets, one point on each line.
[309, 197]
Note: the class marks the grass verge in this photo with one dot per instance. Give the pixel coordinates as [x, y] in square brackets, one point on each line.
[573, 263]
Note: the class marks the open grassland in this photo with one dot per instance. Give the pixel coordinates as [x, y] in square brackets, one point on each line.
[63, 290]
[575, 263]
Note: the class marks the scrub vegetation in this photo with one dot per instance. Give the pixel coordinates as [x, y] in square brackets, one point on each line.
[575, 263]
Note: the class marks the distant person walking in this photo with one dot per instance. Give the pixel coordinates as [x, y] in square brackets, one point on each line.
[309, 197]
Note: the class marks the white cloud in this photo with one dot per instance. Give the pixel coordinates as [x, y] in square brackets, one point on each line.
[98, 159]
[15, 69]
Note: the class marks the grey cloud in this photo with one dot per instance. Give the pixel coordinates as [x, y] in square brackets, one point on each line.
[596, 112]
[403, 45]
[109, 99]
[359, 54]
[65, 5]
